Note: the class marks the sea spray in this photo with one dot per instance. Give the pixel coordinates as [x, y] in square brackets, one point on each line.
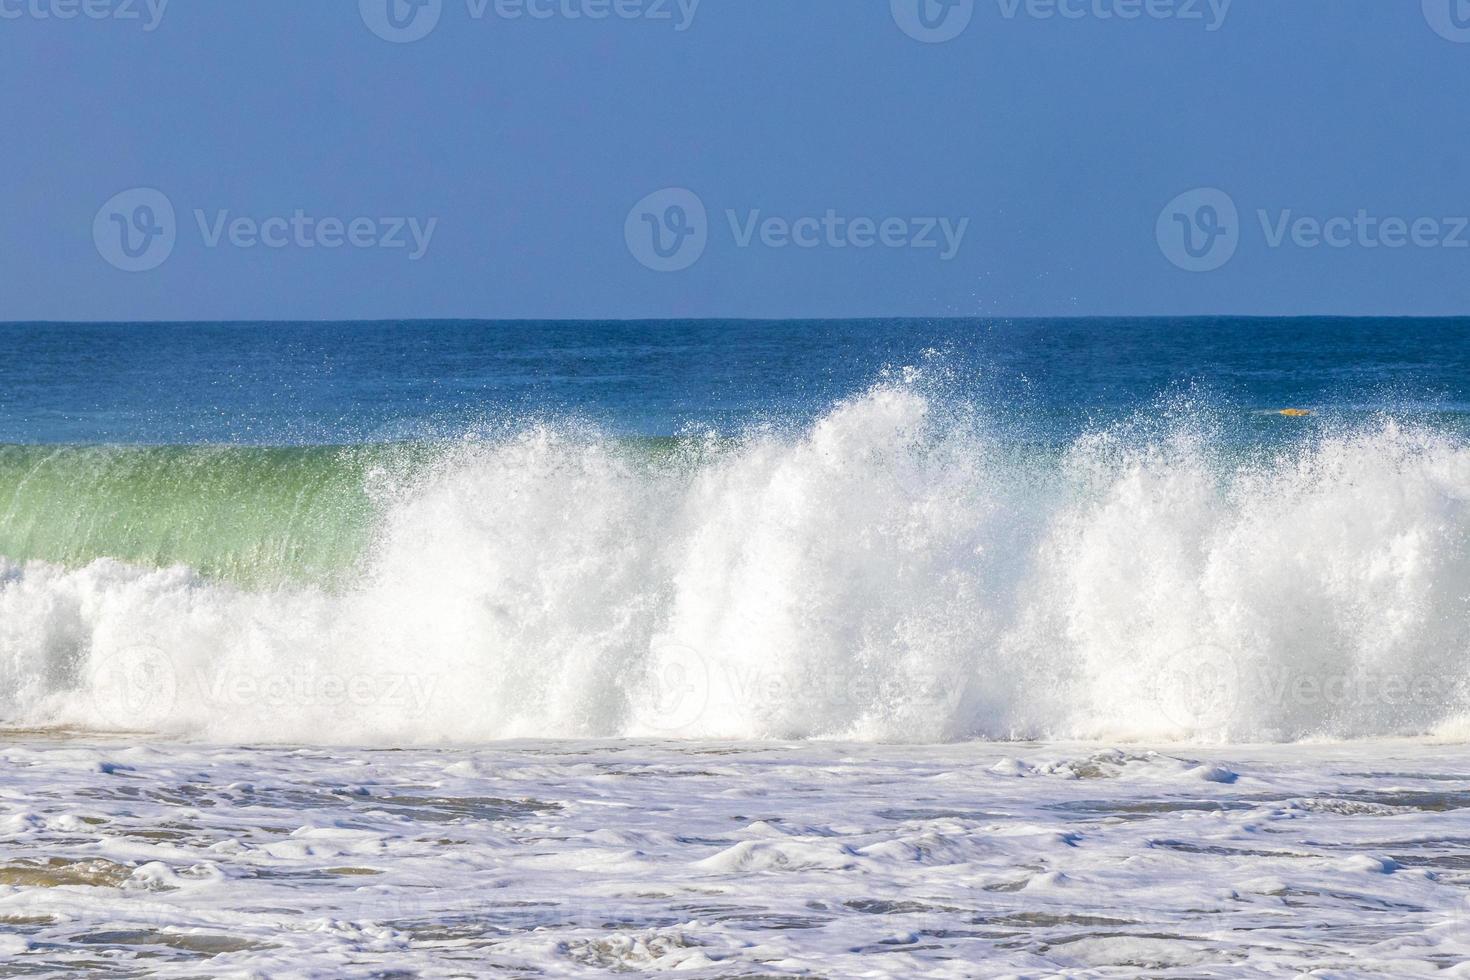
[895, 571]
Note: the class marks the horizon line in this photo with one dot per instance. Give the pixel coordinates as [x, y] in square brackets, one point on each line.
[746, 319]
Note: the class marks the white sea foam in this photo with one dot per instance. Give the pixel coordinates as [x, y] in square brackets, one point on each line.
[590, 859]
[891, 572]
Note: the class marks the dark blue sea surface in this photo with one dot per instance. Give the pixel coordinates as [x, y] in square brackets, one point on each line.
[314, 383]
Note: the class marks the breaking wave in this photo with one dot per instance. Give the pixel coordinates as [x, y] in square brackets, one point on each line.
[895, 571]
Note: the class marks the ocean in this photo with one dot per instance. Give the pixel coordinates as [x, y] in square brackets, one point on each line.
[758, 648]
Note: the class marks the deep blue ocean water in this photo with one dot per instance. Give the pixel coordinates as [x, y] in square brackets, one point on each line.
[307, 383]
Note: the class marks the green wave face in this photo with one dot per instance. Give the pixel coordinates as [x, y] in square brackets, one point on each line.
[255, 516]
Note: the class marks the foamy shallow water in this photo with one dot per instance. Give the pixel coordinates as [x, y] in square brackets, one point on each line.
[723, 860]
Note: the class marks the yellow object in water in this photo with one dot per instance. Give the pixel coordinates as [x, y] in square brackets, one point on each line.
[1295, 413]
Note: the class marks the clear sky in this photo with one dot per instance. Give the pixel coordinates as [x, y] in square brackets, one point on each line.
[513, 157]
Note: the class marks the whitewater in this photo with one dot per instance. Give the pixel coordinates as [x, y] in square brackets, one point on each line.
[903, 568]
[923, 682]
[721, 859]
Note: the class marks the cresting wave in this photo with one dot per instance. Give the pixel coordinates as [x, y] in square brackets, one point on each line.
[893, 571]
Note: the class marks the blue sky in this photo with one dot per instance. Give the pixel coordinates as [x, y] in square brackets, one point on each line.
[506, 166]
